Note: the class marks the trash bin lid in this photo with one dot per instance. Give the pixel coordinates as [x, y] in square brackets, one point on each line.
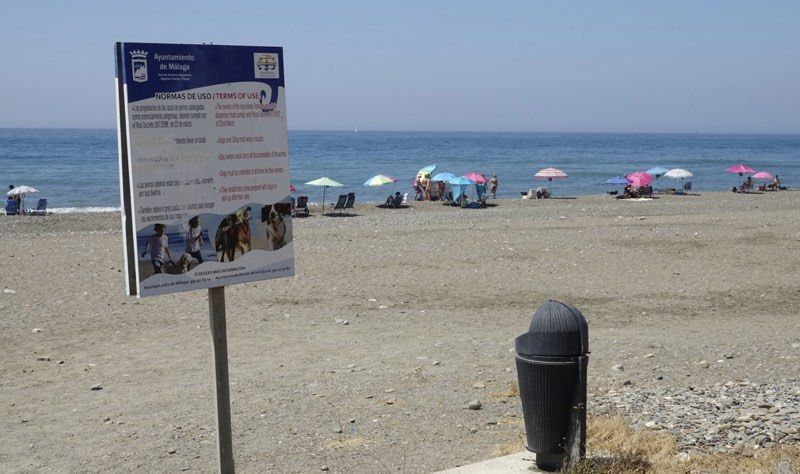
[557, 329]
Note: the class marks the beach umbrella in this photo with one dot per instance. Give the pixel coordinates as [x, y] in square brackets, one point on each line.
[740, 169]
[292, 189]
[446, 177]
[618, 181]
[549, 174]
[427, 170]
[477, 177]
[763, 175]
[678, 173]
[459, 185]
[379, 180]
[657, 171]
[639, 178]
[325, 183]
[22, 191]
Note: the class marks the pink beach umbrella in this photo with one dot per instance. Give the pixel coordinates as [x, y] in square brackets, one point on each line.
[763, 175]
[477, 177]
[740, 168]
[550, 174]
[640, 178]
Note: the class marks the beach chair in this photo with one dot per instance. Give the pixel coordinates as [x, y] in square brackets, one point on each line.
[41, 208]
[12, 208]
[405, 199]
[687, 187]
[300, 208]
[340, 203]
[351, 199]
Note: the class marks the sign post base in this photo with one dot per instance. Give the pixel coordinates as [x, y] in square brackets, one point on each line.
[219, 339]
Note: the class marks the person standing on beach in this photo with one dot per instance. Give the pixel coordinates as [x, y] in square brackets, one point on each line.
[158, 244]
[417, 189]
[425, 183]
[493, 186]
[194, 239]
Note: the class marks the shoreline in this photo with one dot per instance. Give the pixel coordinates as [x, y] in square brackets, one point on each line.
[411, 202]
[396, 319]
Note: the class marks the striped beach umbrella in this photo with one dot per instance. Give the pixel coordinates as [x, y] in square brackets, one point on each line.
[550, 174]
[379, 180]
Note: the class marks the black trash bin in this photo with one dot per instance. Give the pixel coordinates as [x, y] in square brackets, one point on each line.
[552, 358]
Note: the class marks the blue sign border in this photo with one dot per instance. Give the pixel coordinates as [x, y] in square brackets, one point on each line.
[212, 65]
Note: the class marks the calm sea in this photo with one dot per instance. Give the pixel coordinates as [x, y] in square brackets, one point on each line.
[76, 170]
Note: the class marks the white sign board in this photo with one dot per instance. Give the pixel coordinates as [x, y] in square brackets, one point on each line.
[204, 168]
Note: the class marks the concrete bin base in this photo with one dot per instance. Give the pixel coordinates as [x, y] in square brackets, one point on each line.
[523, 461]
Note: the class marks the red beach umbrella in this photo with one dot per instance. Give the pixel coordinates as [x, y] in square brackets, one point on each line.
[292, 189]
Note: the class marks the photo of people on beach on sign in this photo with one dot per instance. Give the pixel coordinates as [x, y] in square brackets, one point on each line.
[173, 249]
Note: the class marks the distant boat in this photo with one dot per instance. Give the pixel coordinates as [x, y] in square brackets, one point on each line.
[355, 130]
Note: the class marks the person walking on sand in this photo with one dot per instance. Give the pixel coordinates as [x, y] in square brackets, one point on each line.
[158, 244]
[194, 239]
[493, 186]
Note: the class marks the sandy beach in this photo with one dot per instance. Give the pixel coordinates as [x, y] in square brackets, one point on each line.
[396, 319]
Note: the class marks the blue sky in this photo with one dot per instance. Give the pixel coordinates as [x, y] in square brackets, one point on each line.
[611, 66]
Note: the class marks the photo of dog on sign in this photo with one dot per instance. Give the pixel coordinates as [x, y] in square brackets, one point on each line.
[276, 219]
[234, 237]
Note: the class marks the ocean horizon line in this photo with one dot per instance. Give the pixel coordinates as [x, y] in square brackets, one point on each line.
[467, 132]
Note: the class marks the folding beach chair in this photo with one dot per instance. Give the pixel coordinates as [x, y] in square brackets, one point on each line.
[340, 203]
[41, 208]
[301, 207]
[351, 199]
[12, 208]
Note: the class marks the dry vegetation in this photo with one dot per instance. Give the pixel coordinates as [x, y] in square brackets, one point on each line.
[616, 448]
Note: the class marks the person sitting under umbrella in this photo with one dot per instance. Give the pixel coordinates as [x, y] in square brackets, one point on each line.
[15, 197]
[747, 185]
[775, 185]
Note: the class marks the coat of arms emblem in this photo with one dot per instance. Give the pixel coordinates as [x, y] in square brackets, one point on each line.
[139, 65]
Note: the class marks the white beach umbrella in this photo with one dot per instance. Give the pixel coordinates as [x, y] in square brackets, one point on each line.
[678, 173]
[22, 191]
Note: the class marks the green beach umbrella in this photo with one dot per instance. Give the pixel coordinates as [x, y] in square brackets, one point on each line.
[325, 183]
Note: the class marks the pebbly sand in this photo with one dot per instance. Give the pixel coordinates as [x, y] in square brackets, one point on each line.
[433, 298]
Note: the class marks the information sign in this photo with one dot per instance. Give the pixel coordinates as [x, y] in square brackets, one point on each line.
[204, 169]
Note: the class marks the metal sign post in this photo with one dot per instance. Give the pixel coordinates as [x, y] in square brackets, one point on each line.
[219, 340]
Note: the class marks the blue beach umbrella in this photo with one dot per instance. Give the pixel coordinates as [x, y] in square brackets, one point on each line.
[619, 180]
[657, 171]
[459, 185]
[446, 177]
[426, 170]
